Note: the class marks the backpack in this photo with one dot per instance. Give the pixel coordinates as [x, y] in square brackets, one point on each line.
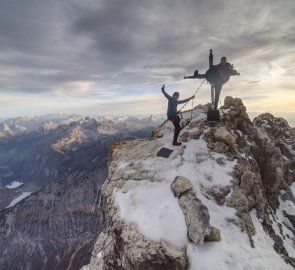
[213, 115]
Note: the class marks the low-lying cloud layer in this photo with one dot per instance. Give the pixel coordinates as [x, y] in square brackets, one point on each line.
[113, 50]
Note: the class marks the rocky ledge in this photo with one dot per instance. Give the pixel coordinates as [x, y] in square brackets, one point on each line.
[222, 200]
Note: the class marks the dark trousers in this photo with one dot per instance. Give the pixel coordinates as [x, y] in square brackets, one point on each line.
[176, 122]
[217, 88]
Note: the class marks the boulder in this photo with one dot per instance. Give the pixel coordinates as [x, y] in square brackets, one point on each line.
[181, 185]
[223, 135]
[213, 236]
[196, 214]
[196, 217]
[228, 101]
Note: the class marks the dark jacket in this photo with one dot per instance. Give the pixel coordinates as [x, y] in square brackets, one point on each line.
[172, 105]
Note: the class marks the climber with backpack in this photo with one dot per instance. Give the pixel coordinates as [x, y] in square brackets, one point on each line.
[216, 75]
[172, 113]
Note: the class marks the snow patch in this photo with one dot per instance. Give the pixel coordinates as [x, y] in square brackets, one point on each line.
[153, 207]
[235, 253]
[18, 199]
[14, 184]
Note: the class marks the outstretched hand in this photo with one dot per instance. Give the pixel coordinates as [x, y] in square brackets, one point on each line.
[193, 97]
[163, 87]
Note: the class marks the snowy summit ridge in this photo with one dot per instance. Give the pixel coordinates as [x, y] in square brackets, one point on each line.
[222, 200]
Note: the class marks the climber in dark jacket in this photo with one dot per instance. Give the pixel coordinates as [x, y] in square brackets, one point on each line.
[172, 112]
[217, 75]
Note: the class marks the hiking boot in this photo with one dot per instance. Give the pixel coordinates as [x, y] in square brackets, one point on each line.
[177, 143]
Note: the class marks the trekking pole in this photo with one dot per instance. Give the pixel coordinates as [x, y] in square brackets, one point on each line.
[194, 95]
[192, 109]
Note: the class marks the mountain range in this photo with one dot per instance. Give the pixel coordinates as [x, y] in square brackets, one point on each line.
[51, 170]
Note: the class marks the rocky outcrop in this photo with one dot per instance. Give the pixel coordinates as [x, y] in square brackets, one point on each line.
[122, 245]
[196, 214]
[226, 179]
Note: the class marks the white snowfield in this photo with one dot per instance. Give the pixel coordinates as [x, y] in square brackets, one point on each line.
[155, 210]
[19, 198]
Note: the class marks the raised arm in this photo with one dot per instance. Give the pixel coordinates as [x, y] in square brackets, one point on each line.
[164, 93]
[185, 100]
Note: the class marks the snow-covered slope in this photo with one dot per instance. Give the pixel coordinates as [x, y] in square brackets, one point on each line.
[222, 200]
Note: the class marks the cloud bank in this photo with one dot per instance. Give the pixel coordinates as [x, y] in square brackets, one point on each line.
[113, 51]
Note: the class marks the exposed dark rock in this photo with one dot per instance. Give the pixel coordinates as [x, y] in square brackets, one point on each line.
[164, 152]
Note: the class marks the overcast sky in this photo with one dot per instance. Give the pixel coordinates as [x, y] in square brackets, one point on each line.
[111, 56]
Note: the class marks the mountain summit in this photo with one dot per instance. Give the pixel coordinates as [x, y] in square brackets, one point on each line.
[222, 200]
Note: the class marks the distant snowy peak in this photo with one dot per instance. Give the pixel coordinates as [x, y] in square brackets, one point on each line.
[79, 130]
[19, 125]
[49, 125]
[7, 129]
[95, 125]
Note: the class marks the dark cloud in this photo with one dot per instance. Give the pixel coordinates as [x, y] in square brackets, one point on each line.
[45, 45]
